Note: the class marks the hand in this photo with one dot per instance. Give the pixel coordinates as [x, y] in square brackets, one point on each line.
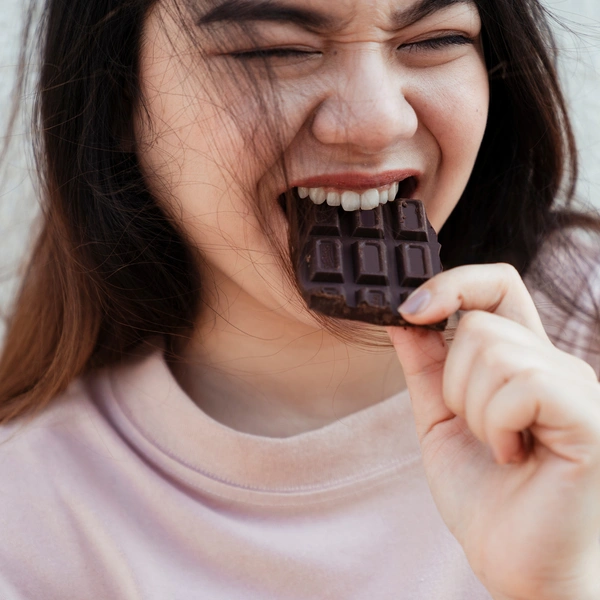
[510, 435]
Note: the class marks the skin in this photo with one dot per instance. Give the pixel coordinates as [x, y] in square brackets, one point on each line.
[527, 516]
[363, 98]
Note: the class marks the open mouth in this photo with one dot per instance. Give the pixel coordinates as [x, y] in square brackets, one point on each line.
[351, 200]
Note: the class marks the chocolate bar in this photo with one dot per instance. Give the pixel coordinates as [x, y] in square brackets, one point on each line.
[363, 264]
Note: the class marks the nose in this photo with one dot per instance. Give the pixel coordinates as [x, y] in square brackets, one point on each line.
[365, 106]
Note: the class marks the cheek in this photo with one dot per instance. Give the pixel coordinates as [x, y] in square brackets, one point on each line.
[201, 127]
[205, 158]
[194, 139]
[453, 108]
[186, 151]
[200, 139]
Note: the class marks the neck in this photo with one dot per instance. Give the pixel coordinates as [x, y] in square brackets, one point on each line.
[265, 373]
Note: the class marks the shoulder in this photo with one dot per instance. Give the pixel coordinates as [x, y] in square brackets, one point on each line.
[47, 471]
[62, 423]
[564, 282]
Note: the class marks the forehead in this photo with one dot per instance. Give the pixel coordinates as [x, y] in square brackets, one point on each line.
[325, 14]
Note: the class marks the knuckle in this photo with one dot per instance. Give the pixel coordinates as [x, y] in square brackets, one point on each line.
[473, 320]
[587, 371]
[508, 271]
[577, 365]
[492, 355]
[536, 378]
[474, 327]
[452, 396]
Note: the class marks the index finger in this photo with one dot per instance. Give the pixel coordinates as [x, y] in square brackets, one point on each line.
[495, 288]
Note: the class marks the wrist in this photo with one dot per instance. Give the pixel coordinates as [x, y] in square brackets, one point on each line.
[588, 591]
[591, 592]
[581, 588]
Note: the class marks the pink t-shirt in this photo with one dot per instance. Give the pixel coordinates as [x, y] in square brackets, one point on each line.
[124, 489]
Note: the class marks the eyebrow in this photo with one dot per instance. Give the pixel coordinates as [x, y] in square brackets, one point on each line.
[239, 11]
[424, 8]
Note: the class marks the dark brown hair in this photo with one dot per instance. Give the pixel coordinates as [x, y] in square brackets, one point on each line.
[110, 269]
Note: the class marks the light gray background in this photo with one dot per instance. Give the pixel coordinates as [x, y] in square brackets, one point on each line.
[580, 69]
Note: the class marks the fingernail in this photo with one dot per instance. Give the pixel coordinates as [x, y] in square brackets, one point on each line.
[418, 301]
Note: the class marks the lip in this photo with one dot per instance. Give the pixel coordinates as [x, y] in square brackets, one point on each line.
[356, 181]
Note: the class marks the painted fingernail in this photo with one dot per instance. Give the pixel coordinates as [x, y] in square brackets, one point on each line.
[417, 302]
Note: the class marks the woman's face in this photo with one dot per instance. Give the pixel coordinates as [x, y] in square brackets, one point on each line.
[270, 95]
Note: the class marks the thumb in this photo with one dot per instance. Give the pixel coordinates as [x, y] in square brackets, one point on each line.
[422, 354]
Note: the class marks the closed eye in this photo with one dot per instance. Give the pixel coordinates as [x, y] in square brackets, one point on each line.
[298, 53]
[438, 43]
[265, 53]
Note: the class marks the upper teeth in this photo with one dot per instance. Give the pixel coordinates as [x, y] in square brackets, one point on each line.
[350, 200]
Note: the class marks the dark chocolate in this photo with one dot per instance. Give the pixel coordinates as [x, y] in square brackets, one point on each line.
[363, 264]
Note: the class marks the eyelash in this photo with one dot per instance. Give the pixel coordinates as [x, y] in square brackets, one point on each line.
[430, 44]
[273, 53]
[437, 43]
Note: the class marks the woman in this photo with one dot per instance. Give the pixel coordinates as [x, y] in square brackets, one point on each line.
[177, 424]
